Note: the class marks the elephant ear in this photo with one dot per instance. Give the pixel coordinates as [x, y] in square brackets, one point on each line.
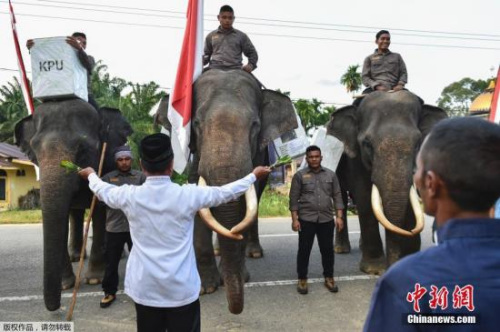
[114, 128]
[277, 117]
[343, 125]
[23, 133]
[429, 116]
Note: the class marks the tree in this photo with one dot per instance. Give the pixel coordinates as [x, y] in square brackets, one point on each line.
[12, 109]
[312, 113]
[352, 79]
[456, 98]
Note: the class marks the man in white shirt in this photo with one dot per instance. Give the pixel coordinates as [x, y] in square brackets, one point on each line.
[161, 275]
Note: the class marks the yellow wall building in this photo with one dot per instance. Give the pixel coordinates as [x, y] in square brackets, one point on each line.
[17, 176]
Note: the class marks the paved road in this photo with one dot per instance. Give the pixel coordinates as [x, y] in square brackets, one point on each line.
[271, 301]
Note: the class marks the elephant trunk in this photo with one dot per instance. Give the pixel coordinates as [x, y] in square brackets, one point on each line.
[232, 255]
[56, 191]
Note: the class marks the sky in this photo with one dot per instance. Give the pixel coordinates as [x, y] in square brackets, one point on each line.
[304, 46]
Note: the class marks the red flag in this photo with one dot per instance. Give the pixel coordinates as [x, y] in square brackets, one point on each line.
[25, 87]
[495, 109]
[188, 70]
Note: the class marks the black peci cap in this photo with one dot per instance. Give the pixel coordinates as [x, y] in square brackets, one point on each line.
[156, 149]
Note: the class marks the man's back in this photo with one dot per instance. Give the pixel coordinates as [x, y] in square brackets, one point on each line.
[466, 265]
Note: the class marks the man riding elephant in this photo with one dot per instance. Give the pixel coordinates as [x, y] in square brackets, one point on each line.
[224, 46]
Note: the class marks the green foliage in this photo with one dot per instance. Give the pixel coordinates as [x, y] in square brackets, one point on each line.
[352, 79]
[17, 216]
[69, 166]
[273, 204]
[12, 109]
[312, 113]
[456, 98]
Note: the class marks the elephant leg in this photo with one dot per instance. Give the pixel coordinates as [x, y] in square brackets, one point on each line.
[95, 269]
[253, 247]
[342, 243]
[373, 260]
[76, 234]
[68, 277]
[205, 259]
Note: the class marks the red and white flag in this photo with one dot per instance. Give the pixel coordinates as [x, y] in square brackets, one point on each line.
[495, 102]
[188, 70]
[25, 87]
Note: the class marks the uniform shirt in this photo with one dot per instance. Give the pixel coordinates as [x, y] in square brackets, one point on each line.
[116, 222]
[88, 62]
[387, 69]
[468, 253]
[161, 269]
[314, 194]
[223, 49]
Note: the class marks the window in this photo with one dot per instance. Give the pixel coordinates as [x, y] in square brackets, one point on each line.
[3, 195]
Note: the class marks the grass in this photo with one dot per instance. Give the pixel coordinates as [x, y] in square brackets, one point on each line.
[273, 204]
[21, 217]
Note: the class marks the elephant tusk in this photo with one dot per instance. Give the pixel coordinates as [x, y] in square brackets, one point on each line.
[212, 223]
[417, 210]
[379, 214]
[251, 211]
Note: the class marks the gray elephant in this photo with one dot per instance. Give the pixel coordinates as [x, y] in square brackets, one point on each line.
[381, 139]
[233, 121]
[68, 130]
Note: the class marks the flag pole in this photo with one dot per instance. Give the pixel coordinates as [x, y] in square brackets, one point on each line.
[25, 87]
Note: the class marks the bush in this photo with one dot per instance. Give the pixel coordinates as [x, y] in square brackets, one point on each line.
[30, 201]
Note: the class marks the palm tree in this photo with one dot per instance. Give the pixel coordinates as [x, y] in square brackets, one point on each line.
[352, 79]
[12, 109]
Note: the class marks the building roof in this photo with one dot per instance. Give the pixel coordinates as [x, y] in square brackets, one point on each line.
[8, 151]
[482, 104]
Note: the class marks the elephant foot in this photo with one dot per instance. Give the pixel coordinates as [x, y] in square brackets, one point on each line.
[376, 266]
[74, 256]
[210, 279]
[254, 250]
[68, 282]
[342, 248]
[92, 281]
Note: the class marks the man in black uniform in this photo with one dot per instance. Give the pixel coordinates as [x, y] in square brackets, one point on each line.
[117, 228]
[314, 192]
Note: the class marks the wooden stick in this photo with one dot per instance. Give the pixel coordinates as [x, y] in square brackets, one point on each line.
[85, 236]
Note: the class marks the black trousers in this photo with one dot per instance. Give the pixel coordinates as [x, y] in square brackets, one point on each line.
[324, 233]
[179, 319]
[113, 253]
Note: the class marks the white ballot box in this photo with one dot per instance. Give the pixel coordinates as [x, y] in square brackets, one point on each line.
[293, 143]
[56, 70]
[331, 149]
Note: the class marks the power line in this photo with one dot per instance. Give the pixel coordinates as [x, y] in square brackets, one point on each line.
[167, 88]
[254, 33]
[275, 20]
[252, 23]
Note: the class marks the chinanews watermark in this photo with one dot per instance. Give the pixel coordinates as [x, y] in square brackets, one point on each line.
[37, 326]
[462, 297]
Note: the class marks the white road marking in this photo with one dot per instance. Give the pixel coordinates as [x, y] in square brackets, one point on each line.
[311, 281]
[247, 285]
[293, 234]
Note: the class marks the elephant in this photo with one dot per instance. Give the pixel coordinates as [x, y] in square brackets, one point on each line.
[72, 130]
[381, 138]
[233, 122]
